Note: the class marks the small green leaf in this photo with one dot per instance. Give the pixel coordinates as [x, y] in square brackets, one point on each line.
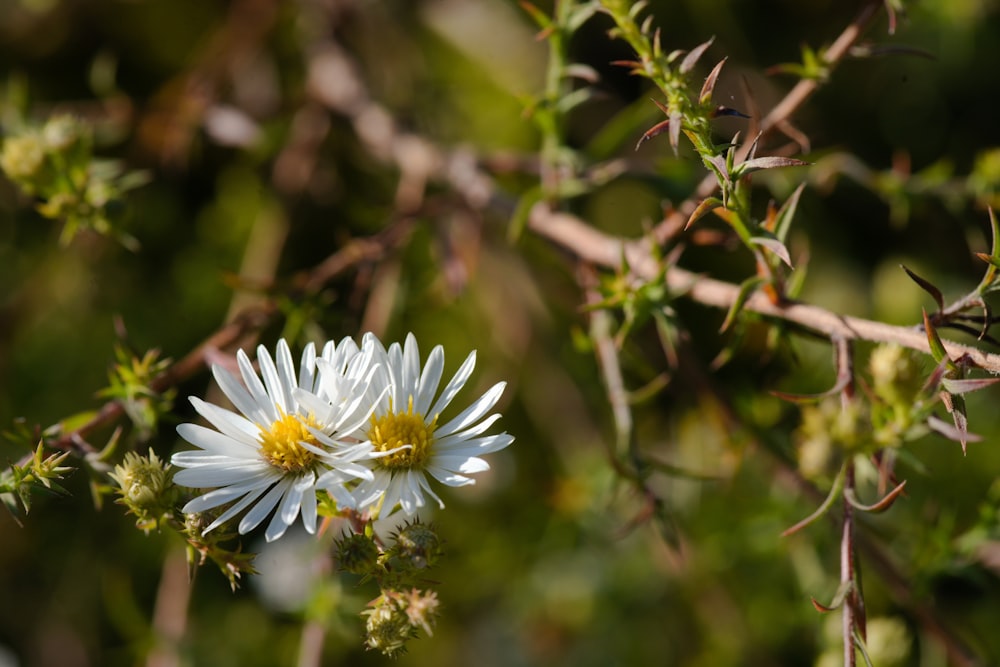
[747, 287]
[775, 246]
[704, 207]
[769, 162]
[993, 259]
[786, 213]
[956, 387]
[580, 15]
[938, 350]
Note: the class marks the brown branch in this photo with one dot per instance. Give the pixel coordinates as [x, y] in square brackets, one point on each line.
[608, 251]
[852, 617]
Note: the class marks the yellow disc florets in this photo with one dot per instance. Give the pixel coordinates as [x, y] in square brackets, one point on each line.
[396, 429]
[280, 445]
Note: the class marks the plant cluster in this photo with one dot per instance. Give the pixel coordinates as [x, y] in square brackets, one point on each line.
[351, 439]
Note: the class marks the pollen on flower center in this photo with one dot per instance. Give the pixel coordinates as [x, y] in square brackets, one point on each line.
[396, 429]
[280, 445]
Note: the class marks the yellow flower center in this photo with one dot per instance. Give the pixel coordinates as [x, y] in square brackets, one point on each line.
[395, 429]
[280, 445]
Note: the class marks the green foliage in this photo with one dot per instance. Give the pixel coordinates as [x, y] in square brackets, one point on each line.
[689, 468]
[55, 164]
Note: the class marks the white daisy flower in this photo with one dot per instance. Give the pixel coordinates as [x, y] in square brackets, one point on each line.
[278, 453]
[405, 428]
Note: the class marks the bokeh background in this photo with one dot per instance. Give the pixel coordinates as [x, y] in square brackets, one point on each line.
[550, 560]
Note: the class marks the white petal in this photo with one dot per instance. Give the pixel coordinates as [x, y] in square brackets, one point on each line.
[307, 368]
[216, 442]
[468, 465]
[430, 378]
[235, 426]
[218, 497]
[475, 411]
[249, 499]
[411, 370]
[468, 433]
[263, 507]
[422, 482]
[455, 385]
[273, 380]
[449, 478]
[309, 511]
[237, 394]
[265, 405]
[289, 508]
[210, 476]
[455, 444]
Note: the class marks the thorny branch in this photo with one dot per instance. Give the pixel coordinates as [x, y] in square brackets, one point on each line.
[594, 246]
[334, 83]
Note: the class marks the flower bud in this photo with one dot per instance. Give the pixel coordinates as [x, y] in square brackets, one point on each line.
[417, 545]
[895, 374]
[143, 481]
[387, 628]
[22, 157]
[145, 488]
[356, 554]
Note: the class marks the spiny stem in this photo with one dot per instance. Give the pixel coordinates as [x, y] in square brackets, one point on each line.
[602, 249]
[847, 574]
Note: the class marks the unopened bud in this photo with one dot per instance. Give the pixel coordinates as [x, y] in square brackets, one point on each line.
[22, 157]
[387, 628]
[418, 545]
[895, 374]
[356, 554]
[143, 481]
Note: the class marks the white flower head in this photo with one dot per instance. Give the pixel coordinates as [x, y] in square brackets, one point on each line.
[406, 433]
[284, 444]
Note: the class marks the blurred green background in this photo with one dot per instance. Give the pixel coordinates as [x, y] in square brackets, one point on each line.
[547, 563]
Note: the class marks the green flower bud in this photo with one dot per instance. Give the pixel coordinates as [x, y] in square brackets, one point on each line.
[357, 554]
[896, 375]
[827, 428]
[22, 157]
[417, 545]
[145, 487]
[387, 627]
[143, 481]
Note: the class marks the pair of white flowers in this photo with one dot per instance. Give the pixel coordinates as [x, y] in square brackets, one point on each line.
[359, 423]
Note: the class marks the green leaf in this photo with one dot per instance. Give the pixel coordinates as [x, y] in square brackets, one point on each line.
[706, 205]
[993, 259]
[953, 386]
[938, 350]
[580, 15]
[574, 99]
[775, 246]
[747, 287]
[769, 162]
[786, 213]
